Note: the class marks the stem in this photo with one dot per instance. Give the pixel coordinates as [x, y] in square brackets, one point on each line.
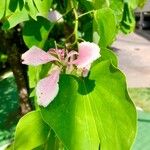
[85, 13]
[75, 32]
[76, 26]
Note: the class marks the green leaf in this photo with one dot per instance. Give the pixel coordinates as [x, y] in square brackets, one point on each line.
[101, 3]
[105, 25]
[37, 73]
[36, 32]
[33, 75]
[30, 7]
[86, 4]
[16, 4]
[117, 7]
[95, 112]
[133, 3]
[13, 6]
[16, 18]
[31, 131]
[2, 8]
[127, 24]
[107, 54]
[43, 6]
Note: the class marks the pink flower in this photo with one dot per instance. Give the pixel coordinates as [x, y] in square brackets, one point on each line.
[48, 88]
[55, 16]
[88, 52]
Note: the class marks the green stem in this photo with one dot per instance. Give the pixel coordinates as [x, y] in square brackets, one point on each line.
[75, 32]
[85, 13]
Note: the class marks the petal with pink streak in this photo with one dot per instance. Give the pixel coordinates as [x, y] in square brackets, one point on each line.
[88, 52]
[36, 56]
[47, 88]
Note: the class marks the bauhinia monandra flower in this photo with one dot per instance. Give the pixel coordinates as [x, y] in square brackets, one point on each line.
[47, 88]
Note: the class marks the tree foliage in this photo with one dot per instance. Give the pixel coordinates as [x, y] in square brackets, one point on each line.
[89, 113]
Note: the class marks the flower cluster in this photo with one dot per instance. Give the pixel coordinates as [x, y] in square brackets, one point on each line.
[47, 88]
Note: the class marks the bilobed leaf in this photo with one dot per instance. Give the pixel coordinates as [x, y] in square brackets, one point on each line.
[105, 25]
[95, 112]
[31, 131]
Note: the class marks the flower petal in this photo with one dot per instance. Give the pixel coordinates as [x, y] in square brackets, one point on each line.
[55, 16]
[36, 56]
[48, 88]
[88, 52]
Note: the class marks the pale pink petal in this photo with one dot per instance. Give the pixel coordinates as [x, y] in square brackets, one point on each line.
[71, 56]
[47, 88]
[88, 52]
[55, 16]
[36, 56]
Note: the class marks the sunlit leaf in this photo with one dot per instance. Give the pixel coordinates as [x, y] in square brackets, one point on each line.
[2, 8]
[107, 54]
[117, 7]
[101, 3]
[43, 6]
[16, 18]
[94, 112]
[105, 25]
[33, 12]
[31, 132]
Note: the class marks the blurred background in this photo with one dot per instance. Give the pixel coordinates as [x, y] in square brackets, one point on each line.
[133, 52]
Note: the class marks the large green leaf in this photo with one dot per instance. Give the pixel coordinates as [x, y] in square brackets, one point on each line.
[94, 112]
[105, 25]
[31, 132]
